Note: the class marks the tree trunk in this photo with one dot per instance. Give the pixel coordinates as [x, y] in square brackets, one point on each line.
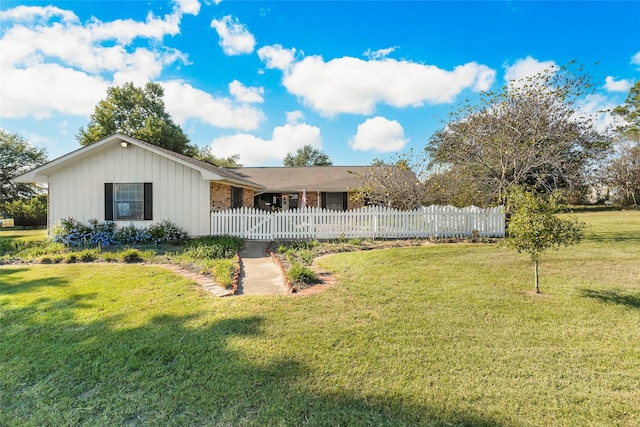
[535, 267]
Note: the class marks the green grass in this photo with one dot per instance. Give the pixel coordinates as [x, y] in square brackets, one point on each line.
[436, 335]
[23, 235]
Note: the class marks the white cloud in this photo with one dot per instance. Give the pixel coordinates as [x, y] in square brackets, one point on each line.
[191, 7]
[235, 39]
[379, 134]
[380, 53]
[52, 62]
[277, 57]
[256, 151]
[596, 107]
[294, 117]
[42, 89]
[352, 85]
[635, 59]
[183, 102]
[248, 95]
[524, 68]
[617, 86]
[32, 14]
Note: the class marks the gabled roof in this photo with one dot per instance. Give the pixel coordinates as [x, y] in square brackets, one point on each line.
[313, 178]
[209, 172]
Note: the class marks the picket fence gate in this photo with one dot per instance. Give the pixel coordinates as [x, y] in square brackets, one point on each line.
[369, 222]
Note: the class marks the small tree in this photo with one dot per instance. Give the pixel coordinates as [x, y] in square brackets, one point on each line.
[534, 226]
[306, 156]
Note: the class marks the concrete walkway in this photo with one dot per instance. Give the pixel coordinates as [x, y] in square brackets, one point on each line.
[259, 275]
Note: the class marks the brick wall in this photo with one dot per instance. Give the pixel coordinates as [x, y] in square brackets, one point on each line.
[220, 197]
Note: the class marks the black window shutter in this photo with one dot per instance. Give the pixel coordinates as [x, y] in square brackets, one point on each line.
[108, 201]
[323, 195]
[148, 201]
[345, 201]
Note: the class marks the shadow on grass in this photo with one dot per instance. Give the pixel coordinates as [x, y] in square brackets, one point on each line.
[611, 237]
[173, 370]
[614, 297]
[9, 288]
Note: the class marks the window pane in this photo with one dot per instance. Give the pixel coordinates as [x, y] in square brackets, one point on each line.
[334, 201]
[128, 202]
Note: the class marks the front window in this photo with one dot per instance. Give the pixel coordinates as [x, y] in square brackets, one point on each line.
[128, 202]
[237, 194]
[335, 201]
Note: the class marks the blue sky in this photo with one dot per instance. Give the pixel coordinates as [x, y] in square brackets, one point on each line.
[359, 80]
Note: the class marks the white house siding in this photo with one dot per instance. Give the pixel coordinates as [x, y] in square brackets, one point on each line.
[180, 194]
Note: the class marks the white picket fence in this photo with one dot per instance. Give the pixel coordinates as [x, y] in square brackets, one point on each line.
[368, 222]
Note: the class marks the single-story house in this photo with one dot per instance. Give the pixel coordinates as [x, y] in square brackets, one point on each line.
[329, 187]
[128, 181]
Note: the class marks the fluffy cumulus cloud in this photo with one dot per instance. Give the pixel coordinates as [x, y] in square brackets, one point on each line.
[635, 59]
[379, 134]
[613, 85]
[248, 95]
[352, 85]
[256, 151]
[520, 70]
[53, 63]
[277, 57]
[235, 38]
[183, 102]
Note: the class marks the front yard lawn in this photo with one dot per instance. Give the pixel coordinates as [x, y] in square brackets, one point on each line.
[434, 335]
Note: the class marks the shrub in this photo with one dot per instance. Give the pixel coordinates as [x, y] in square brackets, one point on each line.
[131, 255]
[102, 233]
[7, 246]
[71, 233]
[299, 274]
[75, 234]
[131, 234]
[212, 247]
[306, 256]
[88, 255]
[223, 271]
[166, 231]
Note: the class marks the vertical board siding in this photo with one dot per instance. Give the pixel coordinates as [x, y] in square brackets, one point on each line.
[367, 222]
[78, 190]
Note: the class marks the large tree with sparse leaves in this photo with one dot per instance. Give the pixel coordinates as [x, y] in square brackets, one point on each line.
[528, 133]
[137, 112]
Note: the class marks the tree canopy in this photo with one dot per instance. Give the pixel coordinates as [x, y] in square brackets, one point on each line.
[623, 170]
[136, 112]
[391, 184]
[630, 113]
[206, 155]
[307, 156]
[534, 226]
[528, 133]
[16, 157]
